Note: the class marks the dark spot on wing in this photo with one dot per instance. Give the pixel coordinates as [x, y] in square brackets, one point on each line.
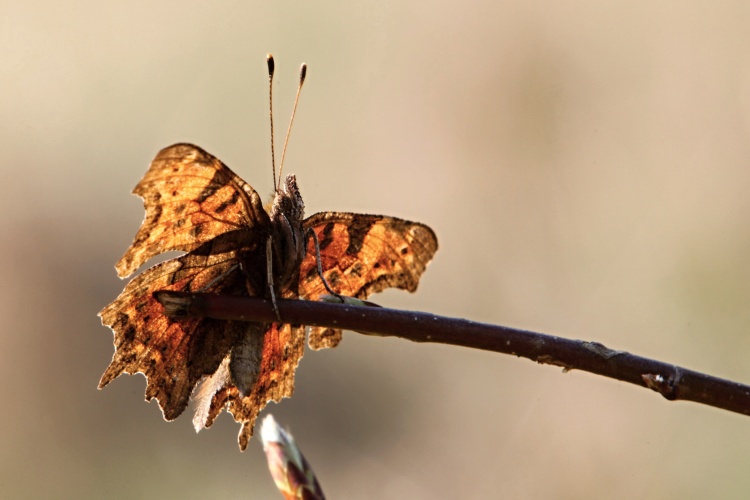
[334, 278]
[156, 212]
[129, 333]
[231, 201]
[122, 319]
[326, 236]
[311, 273]
[356, 270]
[358, 230]
[210, 189]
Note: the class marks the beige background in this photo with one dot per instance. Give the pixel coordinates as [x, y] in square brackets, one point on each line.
[586, 169]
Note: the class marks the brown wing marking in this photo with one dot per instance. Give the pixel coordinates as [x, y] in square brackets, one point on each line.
[173, 354]
[362, 254]
[190, 197]
[282, 349]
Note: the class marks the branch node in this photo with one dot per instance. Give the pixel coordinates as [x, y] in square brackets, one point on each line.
[547, 359]
[600, 349]
[666, 386]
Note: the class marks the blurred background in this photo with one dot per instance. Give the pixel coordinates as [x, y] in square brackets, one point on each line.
[585, 167]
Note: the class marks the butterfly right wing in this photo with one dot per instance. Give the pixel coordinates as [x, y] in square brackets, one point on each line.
[190, 197]
[359, 255]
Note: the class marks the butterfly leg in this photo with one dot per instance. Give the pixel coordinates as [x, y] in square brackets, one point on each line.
[320, 266]
[269, 271]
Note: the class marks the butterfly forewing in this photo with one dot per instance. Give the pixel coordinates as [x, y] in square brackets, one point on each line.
[360, 255]
[190, 197]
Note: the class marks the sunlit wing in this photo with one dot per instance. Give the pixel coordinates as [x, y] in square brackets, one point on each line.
[360, 255]
[175, 354]
[282, 349]
[190, 197]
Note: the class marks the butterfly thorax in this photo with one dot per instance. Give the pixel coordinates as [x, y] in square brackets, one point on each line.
[287, 233]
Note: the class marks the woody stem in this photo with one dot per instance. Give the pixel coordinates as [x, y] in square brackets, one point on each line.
[671, 381]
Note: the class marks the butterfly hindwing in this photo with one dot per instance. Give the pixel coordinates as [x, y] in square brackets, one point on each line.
[173, 354]
[282, 349]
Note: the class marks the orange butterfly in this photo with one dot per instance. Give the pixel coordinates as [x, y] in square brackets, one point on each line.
[196, 204]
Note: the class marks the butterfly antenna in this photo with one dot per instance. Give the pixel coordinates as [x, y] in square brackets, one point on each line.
[271, 68]
[302, 74]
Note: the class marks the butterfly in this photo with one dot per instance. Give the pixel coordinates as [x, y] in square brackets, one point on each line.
[232, 245]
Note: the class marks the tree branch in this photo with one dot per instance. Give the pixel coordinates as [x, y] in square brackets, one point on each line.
[671, 381]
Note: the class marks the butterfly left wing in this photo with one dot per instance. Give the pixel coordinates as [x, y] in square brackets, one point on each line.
[190, 197]
[360, 255]
[174, 354]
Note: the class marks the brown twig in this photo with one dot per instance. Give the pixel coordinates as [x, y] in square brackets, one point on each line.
[671, 381]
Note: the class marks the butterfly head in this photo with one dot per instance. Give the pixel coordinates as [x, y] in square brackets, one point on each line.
[287, 232]
[288, 201]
